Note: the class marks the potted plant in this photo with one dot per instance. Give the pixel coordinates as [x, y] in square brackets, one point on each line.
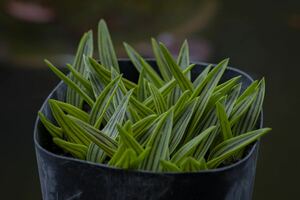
[148, 129]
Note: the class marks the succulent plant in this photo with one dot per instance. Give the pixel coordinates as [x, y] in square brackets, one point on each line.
[164, 122]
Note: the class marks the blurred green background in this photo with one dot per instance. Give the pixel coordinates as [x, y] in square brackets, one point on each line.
[262, 37]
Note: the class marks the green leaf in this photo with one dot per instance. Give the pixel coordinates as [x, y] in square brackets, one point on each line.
[203, 164]
[227, 86]
[52, 129]
[82, 80]
[140, 107]
[129, 140]
[77, 150]
[72, 110]
[144, 135]
[159, 102]
[205, 94]
[94, 153]
[232, 98]
[143, 125]
[111, 127]
[249, 90]
[189, 148]
[118, 154]
[181, 102]
[248, 121]
[168, 87]
[107, 144]
[104, 74]
[174, 96]
[168, 166]
[96, 84]
[224, 122]
[136, 163]
[181, 122]
[106, 50]
[161, 61]
[241, 107]
[209, 119]
[142, 87]
[60, 117]
[190, 164]
[140, 64]
[231, 146]
[183, 59]
[85, 48]
[103, 102]
[127, 159]
[202, 76]
[72, 85]
[159, 143]
[182, 80]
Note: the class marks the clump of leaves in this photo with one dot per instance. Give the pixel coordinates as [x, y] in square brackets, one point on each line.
[164, 122]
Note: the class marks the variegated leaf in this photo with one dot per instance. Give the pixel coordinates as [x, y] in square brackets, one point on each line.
[231, 146]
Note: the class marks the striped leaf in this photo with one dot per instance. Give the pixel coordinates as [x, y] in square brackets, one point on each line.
[190, 164]
[94, 153]
[105, 74]
[159, 102]
[249, 90]
[62, 119]
[227, 86]
[161, 61]
[140, 107]
[232, 98]
[107, 53]
[130, 141]
[111, 127]
[86, 85]
[140, 158]
[107, 144]
[181, 122]
[142, 88]
[118, 154]
[241, 107]
[97, 85]
[72, 110]
[168, 166]
[142, 125]
[223, 121]
[55, 131]
[231, 146]
[140, 64]
[205, 94]
[211, 118]
[182, 80]
[127, 159]
[183, 59]
[77, 150]
[71, 85]
[189, 148]
[159, 143]
[103, 102]
[144, 135]
[85, 48]
[181, 102]
[202, 76]
[168, 87]
[248, 121]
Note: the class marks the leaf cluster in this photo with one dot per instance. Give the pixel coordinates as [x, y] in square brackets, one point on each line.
[164, 122]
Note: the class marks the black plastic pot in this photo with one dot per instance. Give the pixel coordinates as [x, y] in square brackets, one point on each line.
[65, 178]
